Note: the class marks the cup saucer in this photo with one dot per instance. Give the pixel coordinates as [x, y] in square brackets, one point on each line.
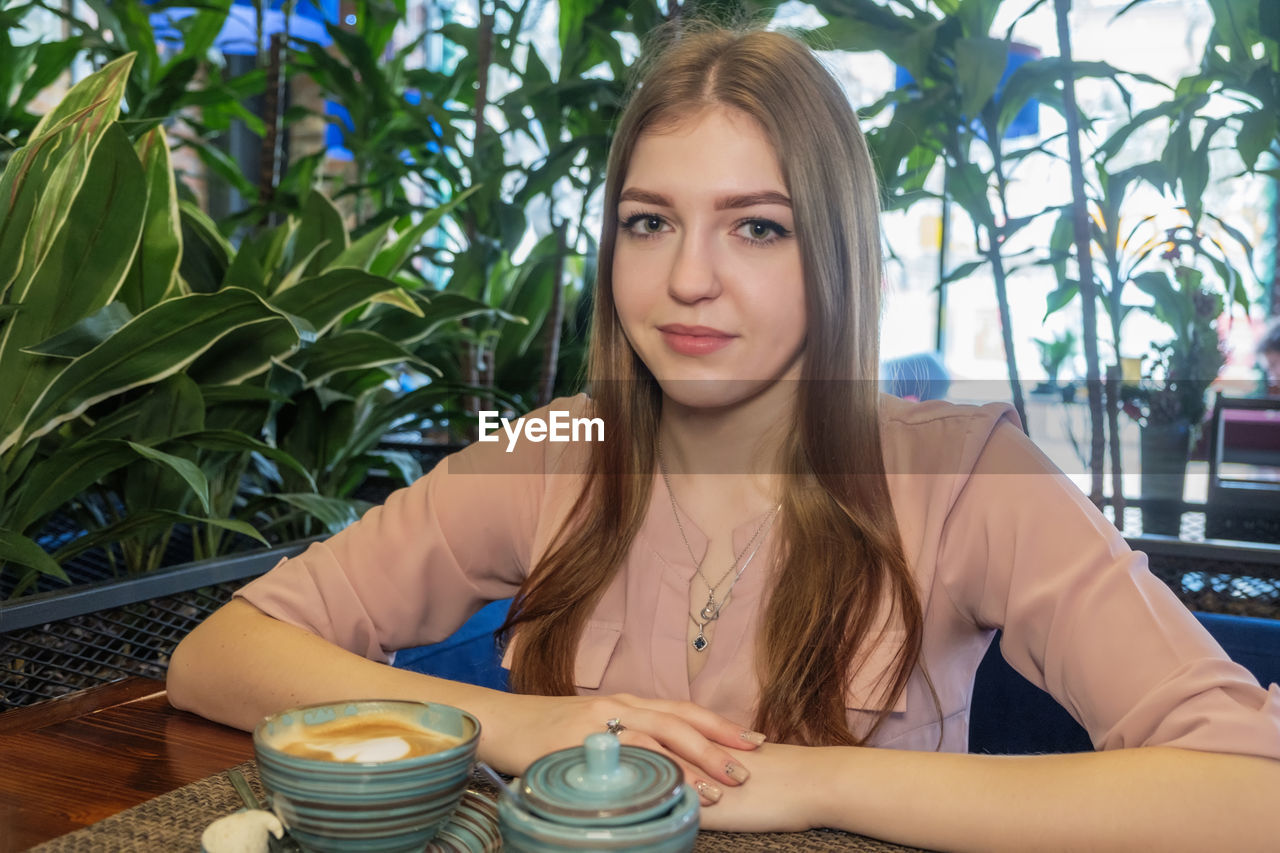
[472, 829]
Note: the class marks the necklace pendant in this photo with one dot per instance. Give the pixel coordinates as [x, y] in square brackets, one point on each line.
[700, 642]
[710, 611]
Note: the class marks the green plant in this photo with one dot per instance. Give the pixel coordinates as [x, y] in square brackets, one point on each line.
[1236, 91]
[954, 116]
[1055, 352]
[1178, 373]
[76, 207]
[154, 375]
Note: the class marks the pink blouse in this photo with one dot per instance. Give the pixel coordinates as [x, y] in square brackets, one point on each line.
[997, 537]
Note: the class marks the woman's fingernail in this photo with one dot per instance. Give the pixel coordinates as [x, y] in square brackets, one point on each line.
[708, 792]
[736, 771]
[753, 737]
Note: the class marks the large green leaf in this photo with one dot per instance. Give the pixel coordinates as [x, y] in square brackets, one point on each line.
[154, 273]
[333, 513]
[232, 441]
[350, 350]
[184, 468]
[41, 180]
[16, 548]
[80, 274]
[249, 351]
[57, 479]
[979, 65]
[173, 406]
[394, 256]
[437, 310]
[361, 252]
[86, 334]
[206, 254]
[157, 343]
[321, 236]
[261, 259]
[323, 300]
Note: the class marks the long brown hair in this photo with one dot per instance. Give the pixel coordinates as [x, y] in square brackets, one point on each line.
[842, 564]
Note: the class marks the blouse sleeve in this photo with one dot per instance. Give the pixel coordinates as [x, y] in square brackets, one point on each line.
[1024, 550]
[412, 570]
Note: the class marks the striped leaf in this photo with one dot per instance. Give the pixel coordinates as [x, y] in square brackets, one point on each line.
[154, 273]
[361, 252]
[157, 343]
[351, 350]
[322, 236]
[41, 180]
[80, 274]
[323, 300]
[86, 334]
[247, 352]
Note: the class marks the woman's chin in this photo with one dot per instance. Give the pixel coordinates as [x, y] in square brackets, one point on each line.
[713, 394]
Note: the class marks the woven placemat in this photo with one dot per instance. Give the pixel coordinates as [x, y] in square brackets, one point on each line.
[170, 822]
[173, 822]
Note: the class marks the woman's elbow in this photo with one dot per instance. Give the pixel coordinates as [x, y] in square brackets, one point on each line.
[197, 665]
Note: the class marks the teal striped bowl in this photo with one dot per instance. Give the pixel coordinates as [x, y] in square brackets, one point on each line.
[371, 807]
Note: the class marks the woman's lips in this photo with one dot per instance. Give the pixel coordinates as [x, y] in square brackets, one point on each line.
[694, 340]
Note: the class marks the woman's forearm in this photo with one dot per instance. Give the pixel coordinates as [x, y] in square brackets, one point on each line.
[1123, 800]
[240, 665]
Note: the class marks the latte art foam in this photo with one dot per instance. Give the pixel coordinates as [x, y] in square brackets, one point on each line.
[371, 738]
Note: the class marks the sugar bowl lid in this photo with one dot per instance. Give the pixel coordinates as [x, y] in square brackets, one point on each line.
[602, 783]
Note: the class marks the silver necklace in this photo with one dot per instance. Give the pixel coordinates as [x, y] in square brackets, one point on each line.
[711, 610]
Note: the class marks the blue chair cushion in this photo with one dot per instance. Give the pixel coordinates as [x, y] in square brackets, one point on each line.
[470, 654]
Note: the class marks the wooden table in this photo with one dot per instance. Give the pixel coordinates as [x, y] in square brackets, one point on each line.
[71, 762]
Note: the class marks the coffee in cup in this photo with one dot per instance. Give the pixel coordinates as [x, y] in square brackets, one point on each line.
[365, 738]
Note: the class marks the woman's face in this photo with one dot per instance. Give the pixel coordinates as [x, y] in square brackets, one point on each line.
[706, 271]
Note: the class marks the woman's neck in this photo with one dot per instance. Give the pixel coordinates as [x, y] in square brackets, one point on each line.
[746, 438]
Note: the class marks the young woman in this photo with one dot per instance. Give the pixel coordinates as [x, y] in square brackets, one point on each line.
[767, 568]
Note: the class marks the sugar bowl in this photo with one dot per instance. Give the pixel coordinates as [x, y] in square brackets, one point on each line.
[600, 796]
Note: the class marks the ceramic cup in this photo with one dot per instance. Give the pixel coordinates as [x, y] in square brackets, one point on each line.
[378, 806]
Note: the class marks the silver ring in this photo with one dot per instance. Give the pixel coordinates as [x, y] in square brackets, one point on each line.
[614, 726]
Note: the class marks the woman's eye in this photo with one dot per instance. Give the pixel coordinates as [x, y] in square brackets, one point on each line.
[643, 225]
[762, 230]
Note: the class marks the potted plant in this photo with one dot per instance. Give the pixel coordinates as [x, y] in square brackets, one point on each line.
[1053, 355]
[1172, 399]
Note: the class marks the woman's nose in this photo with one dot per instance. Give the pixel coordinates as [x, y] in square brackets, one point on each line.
[693, 275]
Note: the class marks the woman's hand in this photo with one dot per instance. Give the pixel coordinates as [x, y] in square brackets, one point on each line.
[532, 726]
[784, 795]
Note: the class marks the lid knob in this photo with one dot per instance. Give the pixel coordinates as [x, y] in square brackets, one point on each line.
[603, 771]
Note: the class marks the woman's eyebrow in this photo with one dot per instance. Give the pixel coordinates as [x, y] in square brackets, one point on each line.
[644, 197]
[733, 202]
[728, 202]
